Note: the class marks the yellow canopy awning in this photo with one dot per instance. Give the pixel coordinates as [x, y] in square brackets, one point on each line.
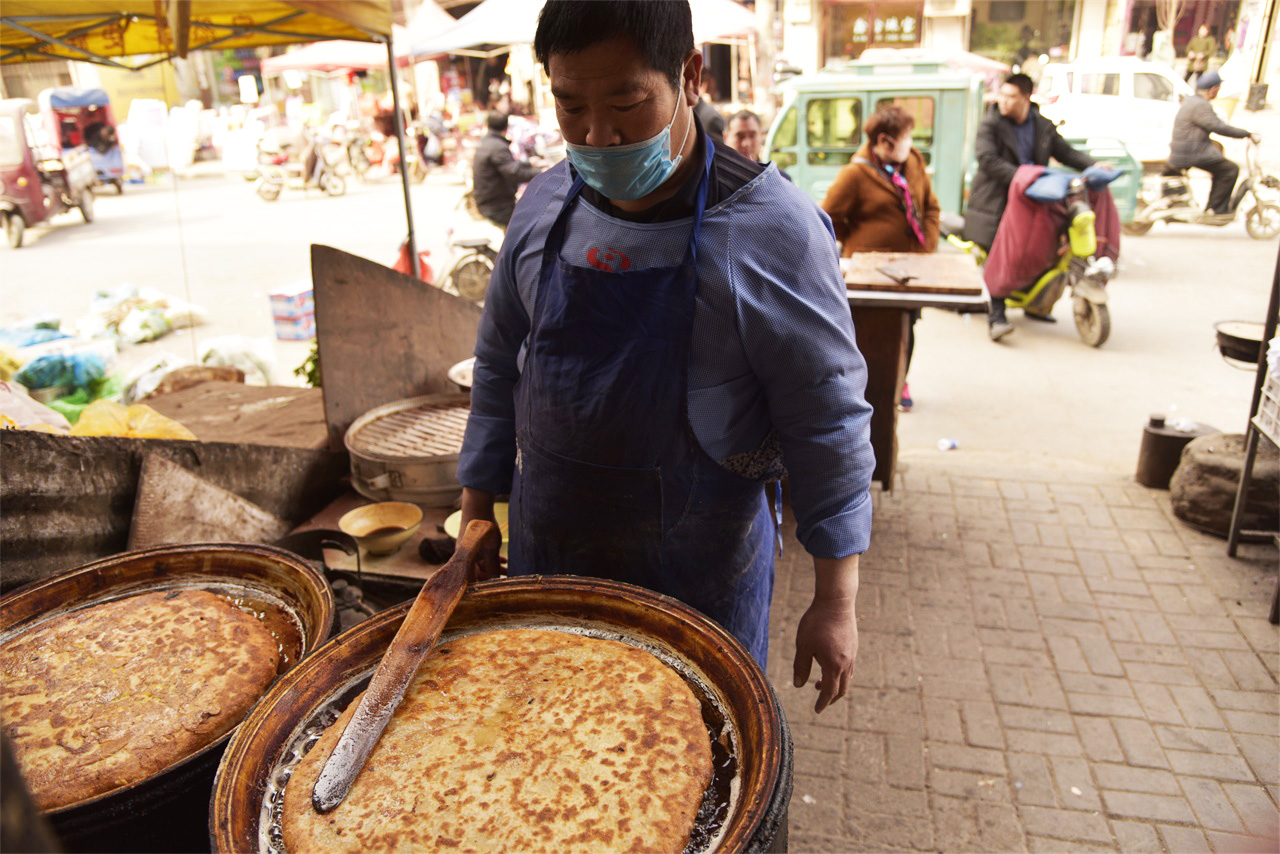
[107, 31]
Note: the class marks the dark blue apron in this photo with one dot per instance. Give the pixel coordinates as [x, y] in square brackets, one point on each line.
[610, 480]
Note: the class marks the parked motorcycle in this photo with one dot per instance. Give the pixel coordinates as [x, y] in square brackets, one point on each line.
[1168, 198]
[275, 176]
[1076, 269]
[356, 150]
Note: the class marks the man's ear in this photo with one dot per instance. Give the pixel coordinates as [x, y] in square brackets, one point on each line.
[692, 81]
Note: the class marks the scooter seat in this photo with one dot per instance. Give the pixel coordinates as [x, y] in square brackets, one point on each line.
[472, 242]
[1170, 172]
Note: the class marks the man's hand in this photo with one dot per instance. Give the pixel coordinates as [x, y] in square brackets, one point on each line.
[828, 631]
[1256, 137]
[479, 505]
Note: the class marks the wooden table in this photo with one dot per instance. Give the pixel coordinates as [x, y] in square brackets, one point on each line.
[881, 309]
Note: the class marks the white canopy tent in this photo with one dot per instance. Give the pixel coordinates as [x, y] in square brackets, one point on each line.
[493, 26]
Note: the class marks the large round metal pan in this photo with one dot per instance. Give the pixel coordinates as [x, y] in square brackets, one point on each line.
[262, 579]
[750, 738]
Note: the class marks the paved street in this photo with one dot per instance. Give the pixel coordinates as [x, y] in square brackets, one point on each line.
[214, 242]
[1049, 660]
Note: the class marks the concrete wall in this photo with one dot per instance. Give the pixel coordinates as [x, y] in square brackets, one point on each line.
[1091, 25]
[946, 33]
[802, 45]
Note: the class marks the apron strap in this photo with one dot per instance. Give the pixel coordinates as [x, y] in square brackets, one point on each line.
[701, 205]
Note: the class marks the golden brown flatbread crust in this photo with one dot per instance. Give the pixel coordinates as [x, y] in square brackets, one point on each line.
[520, 740]
[106, 696]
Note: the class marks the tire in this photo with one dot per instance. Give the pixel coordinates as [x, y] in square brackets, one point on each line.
[1263, 222]
[86, 204]
[334, 185]
[1138, 227]
[269, 190]
[1093, 321]
[14, 227]
[470, 279]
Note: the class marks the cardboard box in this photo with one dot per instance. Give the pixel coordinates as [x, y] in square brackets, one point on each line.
[296, 328]
[294, 301]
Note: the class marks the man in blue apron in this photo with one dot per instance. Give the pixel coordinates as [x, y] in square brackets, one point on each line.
[666, 325]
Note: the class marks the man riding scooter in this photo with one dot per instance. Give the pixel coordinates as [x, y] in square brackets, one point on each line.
[1012, 134]
[1191, 146]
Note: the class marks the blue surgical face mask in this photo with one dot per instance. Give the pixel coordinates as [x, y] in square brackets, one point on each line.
[629, 172]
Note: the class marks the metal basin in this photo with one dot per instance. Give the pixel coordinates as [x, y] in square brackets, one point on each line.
[744, 809]
[284, 590]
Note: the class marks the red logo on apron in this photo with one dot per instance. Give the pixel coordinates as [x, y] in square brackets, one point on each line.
[609, 260]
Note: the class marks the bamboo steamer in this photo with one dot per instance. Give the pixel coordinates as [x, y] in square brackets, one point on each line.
[408, 450]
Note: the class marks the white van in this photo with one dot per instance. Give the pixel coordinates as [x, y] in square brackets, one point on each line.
[1116, 96]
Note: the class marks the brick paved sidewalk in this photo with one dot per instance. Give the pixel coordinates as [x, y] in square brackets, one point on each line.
[1048, 662]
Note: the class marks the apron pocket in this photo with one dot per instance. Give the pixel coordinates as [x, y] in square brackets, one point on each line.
[586, 519]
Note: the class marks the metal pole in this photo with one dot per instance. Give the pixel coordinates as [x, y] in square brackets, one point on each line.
[404, 158]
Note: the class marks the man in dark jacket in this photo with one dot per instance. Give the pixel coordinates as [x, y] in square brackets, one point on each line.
[1191, 145]
[497, 175]
[1013, 133]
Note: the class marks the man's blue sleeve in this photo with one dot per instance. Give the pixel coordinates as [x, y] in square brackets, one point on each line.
[797, 332]
[488, 455]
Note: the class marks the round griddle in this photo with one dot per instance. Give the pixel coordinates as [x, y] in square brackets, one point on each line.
[743, 809]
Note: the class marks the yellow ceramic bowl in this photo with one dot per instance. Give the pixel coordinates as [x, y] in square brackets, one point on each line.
[382, 528]
[453, 524]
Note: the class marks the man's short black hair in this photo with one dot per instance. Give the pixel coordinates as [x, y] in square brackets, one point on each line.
[1022, 81]
[498, 121]
[746, 114]
[662, 30]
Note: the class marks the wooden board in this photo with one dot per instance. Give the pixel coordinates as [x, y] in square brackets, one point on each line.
[259, 415]
[68, 500]
[383, 336]
[175, 506]
[937, 273]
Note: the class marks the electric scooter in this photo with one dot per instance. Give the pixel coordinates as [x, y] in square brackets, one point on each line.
[1168, 198]
[1076, 269]
[274, 177]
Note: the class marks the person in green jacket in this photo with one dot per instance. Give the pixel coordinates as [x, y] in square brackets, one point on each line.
[1199, 49]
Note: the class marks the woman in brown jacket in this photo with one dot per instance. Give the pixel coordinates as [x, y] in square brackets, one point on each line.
[883, 200]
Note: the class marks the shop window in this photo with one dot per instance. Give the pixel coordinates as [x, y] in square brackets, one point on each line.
[11, 143]
[1019, 33]
[834, 130]
[1100, 84]
[1008, 10]
[783, 151]
[920, 108]
[1153, 87]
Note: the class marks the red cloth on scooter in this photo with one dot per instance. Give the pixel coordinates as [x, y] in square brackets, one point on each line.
[1030, 234]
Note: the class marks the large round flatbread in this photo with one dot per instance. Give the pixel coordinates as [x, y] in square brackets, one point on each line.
[520, 740]
[108, 695]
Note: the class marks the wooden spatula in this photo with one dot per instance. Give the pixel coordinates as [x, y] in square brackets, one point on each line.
[417, 634]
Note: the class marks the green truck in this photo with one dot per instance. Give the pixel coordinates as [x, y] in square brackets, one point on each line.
[819, 127]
